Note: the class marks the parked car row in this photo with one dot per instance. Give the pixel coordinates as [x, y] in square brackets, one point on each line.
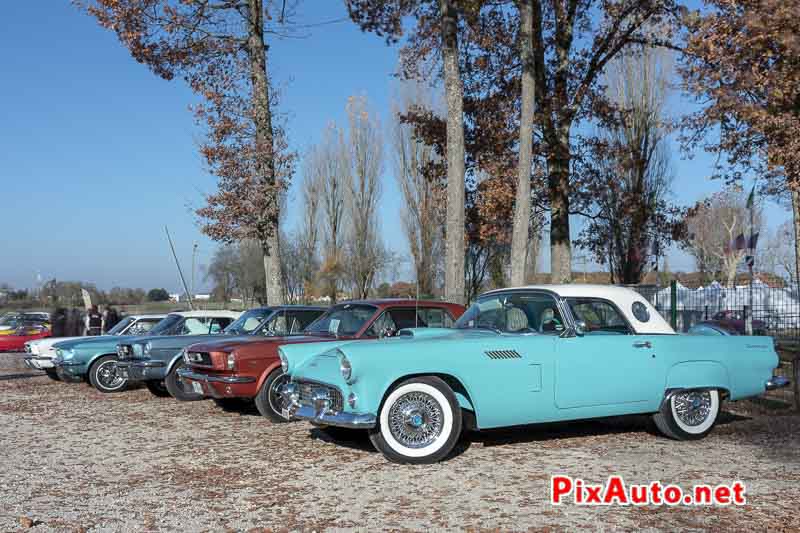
[18, 328]
[416, 374]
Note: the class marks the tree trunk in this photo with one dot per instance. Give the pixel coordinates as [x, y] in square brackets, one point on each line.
[453, 88]
[558, 183]
[265, 150]
[796, 222]
[522, 207]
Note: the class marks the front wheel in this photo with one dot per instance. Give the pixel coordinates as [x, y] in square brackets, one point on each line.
[157, 388]
[104, 377]
[688, 415]
[418, 423]
[179, 389]
[269, 400]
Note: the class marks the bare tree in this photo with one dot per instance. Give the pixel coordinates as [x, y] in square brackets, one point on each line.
[713, 229]
[630, 171]
[412, 156]
[778, 253]
[364, 164]
[522, 205]
[327, 169]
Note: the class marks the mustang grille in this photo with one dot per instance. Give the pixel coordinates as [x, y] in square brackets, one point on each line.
[503, 354]
[198, 358]
[307, 389]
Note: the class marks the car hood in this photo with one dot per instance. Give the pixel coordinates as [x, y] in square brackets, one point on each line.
[230, 344]
[179, 341]
[93, 342]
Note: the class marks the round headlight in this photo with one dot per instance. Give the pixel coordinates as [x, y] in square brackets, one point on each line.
[284, 362]
[231, 361]
[59, 352]
[147, 347]
[346, 368]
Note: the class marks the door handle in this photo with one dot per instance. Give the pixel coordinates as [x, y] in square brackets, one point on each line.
[643, 344]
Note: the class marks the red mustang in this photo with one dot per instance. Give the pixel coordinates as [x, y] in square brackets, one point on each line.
[232, 370]
[27, 331]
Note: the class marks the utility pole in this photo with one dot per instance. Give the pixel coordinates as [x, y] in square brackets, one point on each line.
[194, 256]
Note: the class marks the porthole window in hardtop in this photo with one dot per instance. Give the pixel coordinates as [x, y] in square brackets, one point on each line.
[640, 311]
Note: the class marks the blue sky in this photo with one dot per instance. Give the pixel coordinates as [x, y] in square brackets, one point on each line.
[97, 154]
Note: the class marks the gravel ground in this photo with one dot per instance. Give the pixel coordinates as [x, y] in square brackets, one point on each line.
[72, 458]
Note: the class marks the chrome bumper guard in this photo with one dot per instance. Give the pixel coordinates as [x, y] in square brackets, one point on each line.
[195, 376]
[777, 382]
[320, 410]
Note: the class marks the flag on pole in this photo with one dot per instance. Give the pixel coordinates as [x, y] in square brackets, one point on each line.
[751, 198]
[740, 243]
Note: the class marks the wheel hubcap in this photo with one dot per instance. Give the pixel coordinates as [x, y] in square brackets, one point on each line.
[692, 408]
[108, 377]
[277, 400]
[416, 419]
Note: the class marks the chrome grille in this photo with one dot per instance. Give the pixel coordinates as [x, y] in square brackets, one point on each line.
[198, 358]
[307, 388]
[503, 354]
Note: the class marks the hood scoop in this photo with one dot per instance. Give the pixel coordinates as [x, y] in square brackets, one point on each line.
[503, 354]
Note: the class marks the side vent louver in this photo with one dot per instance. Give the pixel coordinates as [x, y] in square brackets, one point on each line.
[503, 354]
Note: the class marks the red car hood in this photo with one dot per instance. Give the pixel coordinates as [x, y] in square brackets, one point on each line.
[229, 345]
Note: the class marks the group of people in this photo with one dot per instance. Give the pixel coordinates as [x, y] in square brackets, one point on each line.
[75, 322]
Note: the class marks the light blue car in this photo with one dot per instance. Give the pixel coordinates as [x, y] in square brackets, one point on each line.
[522, 356]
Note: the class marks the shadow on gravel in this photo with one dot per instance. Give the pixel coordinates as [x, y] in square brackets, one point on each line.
[8, 377]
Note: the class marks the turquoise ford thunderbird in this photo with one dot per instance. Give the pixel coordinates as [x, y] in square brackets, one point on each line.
[523, 356]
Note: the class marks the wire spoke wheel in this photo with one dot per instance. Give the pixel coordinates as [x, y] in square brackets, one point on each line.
[276, 398]
[692, 408]
[416, 420]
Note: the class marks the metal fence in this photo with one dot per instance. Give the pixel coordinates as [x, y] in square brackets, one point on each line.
[756, 310]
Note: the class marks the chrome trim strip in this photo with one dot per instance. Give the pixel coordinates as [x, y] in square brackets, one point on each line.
[188, 374]
[142, 363]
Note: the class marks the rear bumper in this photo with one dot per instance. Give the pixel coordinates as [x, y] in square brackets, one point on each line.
[220, 386]
[142, 369]
[777, 382]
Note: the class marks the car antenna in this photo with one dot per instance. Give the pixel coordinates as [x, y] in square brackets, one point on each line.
[416, 305]
[180, 272]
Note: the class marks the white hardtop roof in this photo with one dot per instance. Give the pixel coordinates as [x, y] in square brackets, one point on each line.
[622, 297]
[147, 315]
[207, 313]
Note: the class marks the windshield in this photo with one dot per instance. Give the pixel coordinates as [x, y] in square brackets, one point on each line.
[344, 319]
[248, 322]
[164, 327]
[514, 312]
[122, 324]
[10, 319]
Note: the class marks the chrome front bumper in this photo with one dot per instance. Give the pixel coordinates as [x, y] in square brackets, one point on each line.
[777, 382]
[320, 411]
[195, 376]
[39, 363]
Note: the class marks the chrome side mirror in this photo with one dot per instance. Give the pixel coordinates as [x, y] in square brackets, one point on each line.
[580, 328]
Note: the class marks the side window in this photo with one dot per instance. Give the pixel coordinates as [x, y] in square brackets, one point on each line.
[145, 325]
[194, 326]
[433, 317]
[218, 324]
[383, 324]
[307, 317]
[599, 316]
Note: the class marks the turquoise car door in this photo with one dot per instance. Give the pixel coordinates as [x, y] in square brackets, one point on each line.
[608, 367]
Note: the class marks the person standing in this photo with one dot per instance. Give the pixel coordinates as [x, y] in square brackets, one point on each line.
[58, 322]
[94, 322]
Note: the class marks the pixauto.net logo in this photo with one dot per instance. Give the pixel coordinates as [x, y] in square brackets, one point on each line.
[565, 489]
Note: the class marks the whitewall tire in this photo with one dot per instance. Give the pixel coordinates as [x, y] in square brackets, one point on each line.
[419, 422]
[688, 415]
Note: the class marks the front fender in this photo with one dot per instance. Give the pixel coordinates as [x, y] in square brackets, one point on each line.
[265, 374]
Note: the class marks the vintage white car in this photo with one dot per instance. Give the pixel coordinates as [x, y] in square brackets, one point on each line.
[41, 352]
